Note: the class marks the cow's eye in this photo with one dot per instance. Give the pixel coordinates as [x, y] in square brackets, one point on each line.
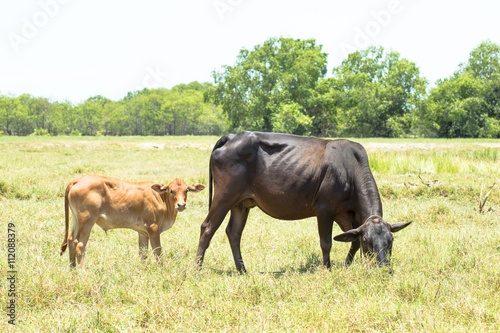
[172, 192]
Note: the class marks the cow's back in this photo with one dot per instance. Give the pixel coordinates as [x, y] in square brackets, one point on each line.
[285, 175]
[88, 193]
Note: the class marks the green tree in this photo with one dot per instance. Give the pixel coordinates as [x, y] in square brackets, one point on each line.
[212, 121]
[281, 71]
[288, 118]
[60, 118]
[23, 124]
[179, 111]
[9, 111]
[372, 93]
[88, 115]
[40, 113]
[484, 61]
[468, 103]
[112, 116]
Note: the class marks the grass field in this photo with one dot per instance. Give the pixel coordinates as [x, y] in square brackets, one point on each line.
[446, 264]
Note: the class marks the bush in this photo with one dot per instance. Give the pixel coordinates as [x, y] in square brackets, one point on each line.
[40, 132]
[491, 128]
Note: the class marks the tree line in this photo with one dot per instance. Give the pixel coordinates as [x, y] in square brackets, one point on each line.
[282, 86]
[178, 111]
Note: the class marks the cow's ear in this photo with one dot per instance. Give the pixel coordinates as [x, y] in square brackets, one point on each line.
[160, 188]
[196, 188]
[348, 236]
[399, 226]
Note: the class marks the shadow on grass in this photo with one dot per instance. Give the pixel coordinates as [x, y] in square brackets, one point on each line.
[312, 265]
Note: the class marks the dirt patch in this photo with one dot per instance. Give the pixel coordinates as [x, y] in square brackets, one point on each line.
[151, 145]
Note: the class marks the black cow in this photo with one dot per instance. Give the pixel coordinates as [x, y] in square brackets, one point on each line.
[292, 177]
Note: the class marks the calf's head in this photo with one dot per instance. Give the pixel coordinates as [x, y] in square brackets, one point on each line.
[375, 236]
[177, 191]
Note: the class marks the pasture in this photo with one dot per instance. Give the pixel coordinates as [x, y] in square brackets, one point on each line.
[446, 264]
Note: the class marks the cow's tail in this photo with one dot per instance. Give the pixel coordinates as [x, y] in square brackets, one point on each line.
[210, 184]
[66, 216]
[222, 141]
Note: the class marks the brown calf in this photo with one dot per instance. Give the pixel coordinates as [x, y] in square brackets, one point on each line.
[146, 207]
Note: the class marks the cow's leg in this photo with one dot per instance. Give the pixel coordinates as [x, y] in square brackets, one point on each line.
[154, 237]
[143, 245]
[325, 225]
[234, 230]
[209, 227]
[355, 245]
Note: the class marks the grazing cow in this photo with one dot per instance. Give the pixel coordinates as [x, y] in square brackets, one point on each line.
[291, 177]
[145, 207]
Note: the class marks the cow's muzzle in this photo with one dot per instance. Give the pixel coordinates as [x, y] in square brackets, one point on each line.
[180, 206]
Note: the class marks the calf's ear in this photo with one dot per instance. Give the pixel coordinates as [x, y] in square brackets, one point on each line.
[348, 236]
[160, 188]
[399, 226]
[196, 188]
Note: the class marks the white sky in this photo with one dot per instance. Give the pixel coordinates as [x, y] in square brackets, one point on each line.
[75, 49]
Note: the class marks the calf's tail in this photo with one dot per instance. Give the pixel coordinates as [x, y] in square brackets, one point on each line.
[66, 216]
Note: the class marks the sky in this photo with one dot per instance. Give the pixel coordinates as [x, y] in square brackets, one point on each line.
[70, 50]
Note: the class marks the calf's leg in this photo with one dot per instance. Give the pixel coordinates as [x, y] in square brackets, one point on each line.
[85, 224]
[77, 242]
[154, 237]
[71, 243]
[143, 246]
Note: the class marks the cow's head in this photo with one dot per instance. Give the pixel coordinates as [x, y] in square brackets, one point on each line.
[375, 236]
[177, 191]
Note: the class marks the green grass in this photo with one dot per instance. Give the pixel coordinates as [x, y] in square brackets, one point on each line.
[446, 264]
